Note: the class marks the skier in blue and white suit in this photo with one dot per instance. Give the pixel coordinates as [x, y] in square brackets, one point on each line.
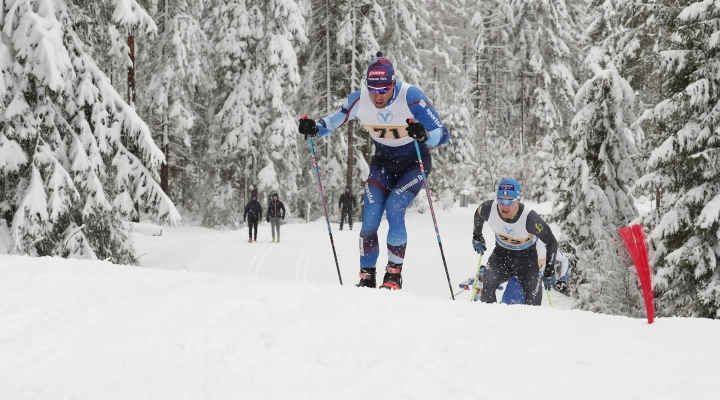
[396, 114]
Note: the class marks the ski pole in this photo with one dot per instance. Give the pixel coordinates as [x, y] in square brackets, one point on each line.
[322, 198]
[432, 211]
[549, 299]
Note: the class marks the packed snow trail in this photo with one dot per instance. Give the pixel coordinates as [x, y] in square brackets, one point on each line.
[304, 253]
[74, 329]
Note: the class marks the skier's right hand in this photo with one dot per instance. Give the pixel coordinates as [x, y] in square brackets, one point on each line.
[479, 244]
[308, 127]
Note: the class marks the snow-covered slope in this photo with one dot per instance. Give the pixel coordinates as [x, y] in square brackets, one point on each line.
[305, 255]
[210, 316]
[91, 330]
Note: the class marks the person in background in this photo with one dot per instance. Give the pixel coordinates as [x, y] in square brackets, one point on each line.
[347, 207]
[253, 213]
[275, 213]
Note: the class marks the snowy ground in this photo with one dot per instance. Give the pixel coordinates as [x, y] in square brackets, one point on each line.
[210, 316]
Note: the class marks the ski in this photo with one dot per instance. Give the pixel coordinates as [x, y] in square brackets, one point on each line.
[477, 281]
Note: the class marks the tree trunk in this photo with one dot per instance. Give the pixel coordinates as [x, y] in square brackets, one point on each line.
[131, 98]
[350, 154]
[165, 170]
[165, 167]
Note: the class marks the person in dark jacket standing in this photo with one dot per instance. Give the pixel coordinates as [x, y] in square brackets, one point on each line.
[347, 207]
[253, 213]
[275, 213]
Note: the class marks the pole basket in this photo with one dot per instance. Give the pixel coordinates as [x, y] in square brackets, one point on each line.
[634, 239]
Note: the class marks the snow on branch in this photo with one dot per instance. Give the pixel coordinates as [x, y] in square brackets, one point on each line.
[11, 155]
[710, 214]
[147, 190]
[129, 13]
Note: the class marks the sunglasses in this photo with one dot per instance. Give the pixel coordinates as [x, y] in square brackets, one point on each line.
[379, 90]
[506, 202]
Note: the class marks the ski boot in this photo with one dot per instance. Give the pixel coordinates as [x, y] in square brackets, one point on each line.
[367, 278]
[392, 279]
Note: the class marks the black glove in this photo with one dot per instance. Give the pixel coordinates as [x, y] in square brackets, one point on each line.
[417, 131]
[267, 218]
[561, 286]
[479, 244]
[308, 127]
[283, 217]
[549, 271]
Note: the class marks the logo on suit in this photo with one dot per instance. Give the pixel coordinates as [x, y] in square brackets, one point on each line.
[384, 116]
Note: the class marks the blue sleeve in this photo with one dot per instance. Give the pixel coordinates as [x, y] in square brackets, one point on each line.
[347, 112]
[427, 115]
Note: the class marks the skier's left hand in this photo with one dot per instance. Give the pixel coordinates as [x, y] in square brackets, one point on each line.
[416, 131]
[283, 217]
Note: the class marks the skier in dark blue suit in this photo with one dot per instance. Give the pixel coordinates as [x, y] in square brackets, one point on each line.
[396, 114]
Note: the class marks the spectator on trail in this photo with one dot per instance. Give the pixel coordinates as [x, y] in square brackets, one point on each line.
[253, 213]
[347, 207]
[275, 213]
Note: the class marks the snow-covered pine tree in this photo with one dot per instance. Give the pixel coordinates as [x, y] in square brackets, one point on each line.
[542, 161]
[545, 36]
[455, 164]
[357, 39]
[256, 138]
[408, 21]
[594, 192]
[65, 137]
[174, 65]
[686, 166]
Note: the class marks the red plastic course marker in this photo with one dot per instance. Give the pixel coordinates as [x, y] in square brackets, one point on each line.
[634, 240]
